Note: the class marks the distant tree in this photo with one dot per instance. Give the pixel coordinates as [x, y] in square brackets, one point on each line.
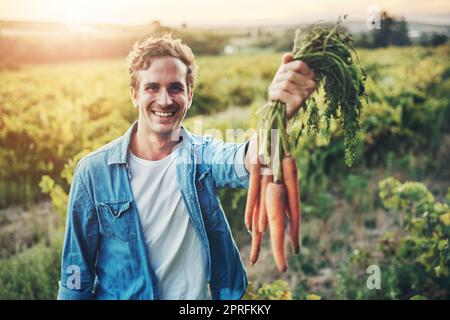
[432, 39]
[438, 39]
[363, 40]
[400, 34]
[393, 31]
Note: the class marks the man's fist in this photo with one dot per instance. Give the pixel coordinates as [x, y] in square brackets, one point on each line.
[293, 84]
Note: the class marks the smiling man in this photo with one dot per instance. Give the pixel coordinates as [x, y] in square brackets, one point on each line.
[144, 219]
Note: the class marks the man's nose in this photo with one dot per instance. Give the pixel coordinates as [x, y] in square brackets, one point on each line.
[164, 98]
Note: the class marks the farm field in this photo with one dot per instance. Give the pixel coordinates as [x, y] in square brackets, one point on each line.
[390, 209]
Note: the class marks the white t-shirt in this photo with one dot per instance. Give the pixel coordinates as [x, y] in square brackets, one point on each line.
[174, 248]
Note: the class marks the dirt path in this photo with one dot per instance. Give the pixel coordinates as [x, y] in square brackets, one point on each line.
[21, 228]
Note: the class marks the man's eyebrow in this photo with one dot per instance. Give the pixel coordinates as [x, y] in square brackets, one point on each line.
[177, 83]
[151, 83]
[172, 83]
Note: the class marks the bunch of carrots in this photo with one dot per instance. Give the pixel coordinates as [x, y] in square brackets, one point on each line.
[274, 195]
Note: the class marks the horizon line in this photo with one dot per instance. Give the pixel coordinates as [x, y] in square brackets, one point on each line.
[240, 23]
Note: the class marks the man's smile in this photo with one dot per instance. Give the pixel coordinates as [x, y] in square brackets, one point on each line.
[164, 114]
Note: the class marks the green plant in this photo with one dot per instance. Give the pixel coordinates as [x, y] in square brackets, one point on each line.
[32, 274]
[427, 223]
[337, 69]
[415, 259]
[278, 290]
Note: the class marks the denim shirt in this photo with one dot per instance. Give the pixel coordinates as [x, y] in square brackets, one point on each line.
[104, 254]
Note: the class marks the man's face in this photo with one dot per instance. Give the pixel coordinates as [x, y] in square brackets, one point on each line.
[162, 95]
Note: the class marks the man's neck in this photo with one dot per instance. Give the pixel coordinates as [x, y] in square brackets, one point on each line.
[150, 146]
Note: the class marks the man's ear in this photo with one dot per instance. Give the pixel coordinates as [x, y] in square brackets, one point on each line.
[190, 96]
[133, 95]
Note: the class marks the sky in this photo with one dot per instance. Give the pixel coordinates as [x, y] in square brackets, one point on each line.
[215, 12]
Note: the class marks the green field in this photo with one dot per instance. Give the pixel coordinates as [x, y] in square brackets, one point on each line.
[369, 214]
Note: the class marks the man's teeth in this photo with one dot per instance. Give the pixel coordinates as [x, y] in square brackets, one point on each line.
[164, 114]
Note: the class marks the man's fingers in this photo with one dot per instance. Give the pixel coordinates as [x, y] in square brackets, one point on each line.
[299, 66]
[285, 86]
[291, 89]
[292, 84]
[288, 75]
[288, 88]
[292, 76]
[300, 84]
[292, 101]
[310, 85]
[287, 57]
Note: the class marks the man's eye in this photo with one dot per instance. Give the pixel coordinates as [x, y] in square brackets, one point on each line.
[176, 89]
[152, 87]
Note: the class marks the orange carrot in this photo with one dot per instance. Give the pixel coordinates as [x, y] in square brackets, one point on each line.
[276, 205]
[256, 236]
[253, 193]
[266, 179]
[289, 169]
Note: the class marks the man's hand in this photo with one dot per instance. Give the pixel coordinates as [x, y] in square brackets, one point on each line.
[293, 84]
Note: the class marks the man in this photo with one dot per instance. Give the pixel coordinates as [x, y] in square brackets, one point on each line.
[144, 220]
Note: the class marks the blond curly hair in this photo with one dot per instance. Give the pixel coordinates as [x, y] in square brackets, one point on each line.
[142, 53]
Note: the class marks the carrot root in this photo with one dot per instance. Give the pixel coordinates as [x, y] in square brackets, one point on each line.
[256, 236]
[276, 205]
[266, 179]
[253, 193]
[289, 169]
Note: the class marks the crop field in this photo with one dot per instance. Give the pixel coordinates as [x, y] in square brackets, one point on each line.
[389, 210]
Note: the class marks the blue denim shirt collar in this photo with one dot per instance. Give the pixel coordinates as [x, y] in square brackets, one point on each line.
[119, 153]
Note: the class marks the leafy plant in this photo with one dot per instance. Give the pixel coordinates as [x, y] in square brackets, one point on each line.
[278, 290]
[415, 259]
[337, 69]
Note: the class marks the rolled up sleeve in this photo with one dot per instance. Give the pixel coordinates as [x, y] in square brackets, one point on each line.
[66, 294]
[80, 244]
[227, 162]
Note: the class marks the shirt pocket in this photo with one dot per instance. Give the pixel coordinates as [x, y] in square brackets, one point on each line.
[116, 220]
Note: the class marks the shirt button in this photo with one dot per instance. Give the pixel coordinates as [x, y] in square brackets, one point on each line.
[132, 236]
